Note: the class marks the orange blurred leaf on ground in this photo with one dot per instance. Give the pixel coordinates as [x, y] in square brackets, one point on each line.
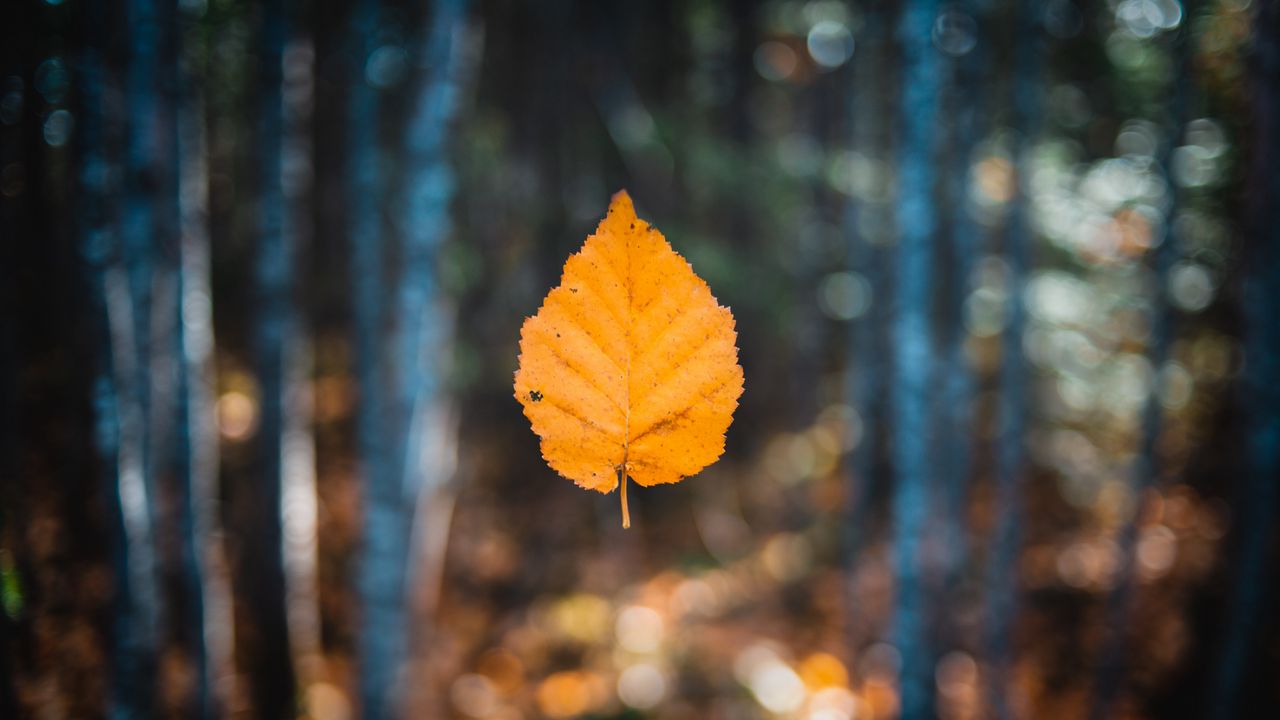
[630, 368]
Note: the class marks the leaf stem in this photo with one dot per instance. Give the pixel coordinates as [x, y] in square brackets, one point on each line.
[622, 485]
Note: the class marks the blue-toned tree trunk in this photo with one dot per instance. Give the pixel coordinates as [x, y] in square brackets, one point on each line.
[125, 397]
[384, 526]
[912, 347]
[269, 670]
[135, 278]
[398, 330]
[1011, 455]
[142, 206]
[132, 643]
[968, 99]
[1258, 494]
[174, 419]
[422, 327]
[207, 592]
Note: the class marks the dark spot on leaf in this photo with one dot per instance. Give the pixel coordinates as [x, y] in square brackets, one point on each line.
[535, 396]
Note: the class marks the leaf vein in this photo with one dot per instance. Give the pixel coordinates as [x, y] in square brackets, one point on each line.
[685, 309]
[670, 418]
[601, 297]
[595, 341]
[608, 267]
[674, 368]
[591, 383]
[567, 410]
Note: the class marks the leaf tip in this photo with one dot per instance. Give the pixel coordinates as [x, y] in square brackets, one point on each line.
[621, 203]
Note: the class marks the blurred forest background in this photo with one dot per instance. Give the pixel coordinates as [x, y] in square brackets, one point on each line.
[1007, 285]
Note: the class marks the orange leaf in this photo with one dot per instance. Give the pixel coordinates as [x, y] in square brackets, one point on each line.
[630, 368]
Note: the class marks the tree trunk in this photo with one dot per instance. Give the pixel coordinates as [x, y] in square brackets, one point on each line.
[206, 582]
[269, 668]
[397, 344]
[865, 358]
[1011, 460]
[913, 347]
[1259, 492]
